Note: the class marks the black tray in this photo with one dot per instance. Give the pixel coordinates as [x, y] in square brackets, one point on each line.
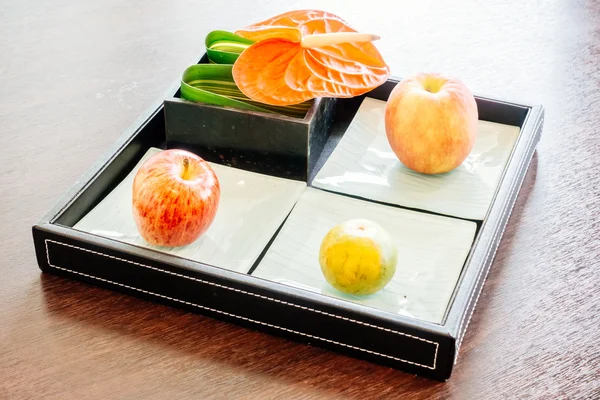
[412, 345]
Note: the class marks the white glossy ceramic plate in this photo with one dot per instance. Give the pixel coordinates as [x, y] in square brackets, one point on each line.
[432, 250]
[251, 208]
[364, 165]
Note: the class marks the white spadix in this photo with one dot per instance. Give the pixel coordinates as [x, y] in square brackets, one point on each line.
[327, 39]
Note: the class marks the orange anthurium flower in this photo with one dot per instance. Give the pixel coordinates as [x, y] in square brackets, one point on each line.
[300, 55]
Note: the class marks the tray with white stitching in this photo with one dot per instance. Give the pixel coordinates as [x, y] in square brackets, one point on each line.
[269, 279]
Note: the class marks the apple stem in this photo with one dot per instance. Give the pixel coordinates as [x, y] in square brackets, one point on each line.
[327, 39]
[186, 164]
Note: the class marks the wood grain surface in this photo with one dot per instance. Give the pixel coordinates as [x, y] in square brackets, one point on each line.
[75, 74]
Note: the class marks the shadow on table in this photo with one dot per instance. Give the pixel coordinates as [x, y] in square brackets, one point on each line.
[224, 345]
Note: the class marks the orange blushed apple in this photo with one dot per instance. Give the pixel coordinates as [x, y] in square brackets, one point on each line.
[431, 122]
[175, 198]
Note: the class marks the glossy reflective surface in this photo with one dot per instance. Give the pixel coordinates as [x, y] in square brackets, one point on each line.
[431, 253]
[251, 208]
[364, 165]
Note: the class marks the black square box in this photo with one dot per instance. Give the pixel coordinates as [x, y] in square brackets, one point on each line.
[226, 134]
[415, 346]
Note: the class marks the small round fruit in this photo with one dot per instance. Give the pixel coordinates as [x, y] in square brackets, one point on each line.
[175, 198]
[358, 257]
[431, 122]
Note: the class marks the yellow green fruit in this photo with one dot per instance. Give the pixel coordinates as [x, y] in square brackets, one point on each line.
[358, 257]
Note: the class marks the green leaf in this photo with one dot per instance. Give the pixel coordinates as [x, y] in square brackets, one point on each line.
[214, 84]
[224, 47]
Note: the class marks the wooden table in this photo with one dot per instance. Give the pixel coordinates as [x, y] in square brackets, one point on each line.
[75, 74]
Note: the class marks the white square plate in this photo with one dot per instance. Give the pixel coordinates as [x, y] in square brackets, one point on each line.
[431, 253]
[251, 208]
[364, 165]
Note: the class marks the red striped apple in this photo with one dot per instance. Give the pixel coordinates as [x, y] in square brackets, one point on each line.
[175, 198]
[431, 122]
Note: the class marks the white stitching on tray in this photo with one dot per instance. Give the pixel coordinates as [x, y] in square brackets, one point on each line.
[500, 234]
[250, 294]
